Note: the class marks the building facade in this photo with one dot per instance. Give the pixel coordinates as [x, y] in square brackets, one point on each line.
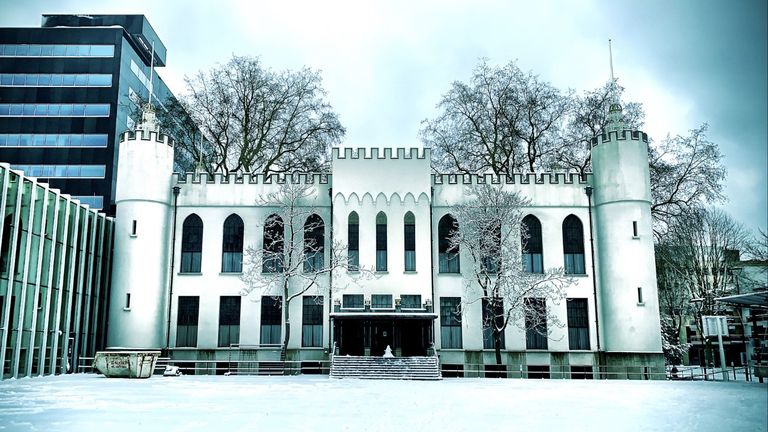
[67, 90]
[55, 271]
[190, 236]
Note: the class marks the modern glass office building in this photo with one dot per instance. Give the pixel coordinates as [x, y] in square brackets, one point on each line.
[67, 91]
[55, 264]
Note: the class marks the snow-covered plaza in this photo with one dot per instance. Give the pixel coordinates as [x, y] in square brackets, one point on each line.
[88, 402]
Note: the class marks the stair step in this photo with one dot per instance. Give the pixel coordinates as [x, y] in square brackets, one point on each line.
[399, 368]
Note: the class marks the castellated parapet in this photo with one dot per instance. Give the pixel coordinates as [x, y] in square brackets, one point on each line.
[623, 136]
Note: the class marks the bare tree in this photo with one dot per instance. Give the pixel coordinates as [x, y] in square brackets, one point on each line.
[587, 117]
[491, 234]
[700, 252]
[294, 259]
[254, 119]
[757, 247]
[686, 172]
[502, 121]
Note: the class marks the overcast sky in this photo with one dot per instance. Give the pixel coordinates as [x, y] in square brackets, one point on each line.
[385, 64]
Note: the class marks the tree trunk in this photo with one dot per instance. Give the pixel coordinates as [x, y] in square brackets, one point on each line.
[497, 345]
[287, 335]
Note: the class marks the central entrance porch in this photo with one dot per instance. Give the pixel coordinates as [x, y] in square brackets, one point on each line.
[368, 334]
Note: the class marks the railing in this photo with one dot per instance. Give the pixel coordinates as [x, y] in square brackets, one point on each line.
[466, 370]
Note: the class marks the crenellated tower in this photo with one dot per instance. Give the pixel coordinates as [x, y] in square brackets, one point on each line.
[143, 197]
[629, 310]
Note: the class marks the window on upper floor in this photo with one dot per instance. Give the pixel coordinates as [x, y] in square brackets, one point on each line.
[352, 301]
[314, 243]
[573, 245]
[448, 254]
[409, 225]
[274, 237]
[191, 244]
[232, 245]
[410, 301]
[381, 301]
[381, 242]
[353, 241]
[532, 245]
[49, 50]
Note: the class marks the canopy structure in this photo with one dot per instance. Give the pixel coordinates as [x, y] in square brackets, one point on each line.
[753, 299]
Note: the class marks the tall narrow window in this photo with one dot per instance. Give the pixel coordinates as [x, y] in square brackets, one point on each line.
[493, 317]
[229, 320]
[232, 248]
[450, 322]
[573, 245]
[639, 295]
[409, 225]
[381, 242]
[578, 324]
[274, 232]
[533, 250]
[312, 322]
[448, 253]
[186, 321]
[271, 320]
[133, 228]
[191, 244]
[490, 245]
[353, 240]
[535, 323]
[634, 229]
[314, 243]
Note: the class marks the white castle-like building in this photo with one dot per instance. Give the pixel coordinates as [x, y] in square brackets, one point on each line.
[180, 239]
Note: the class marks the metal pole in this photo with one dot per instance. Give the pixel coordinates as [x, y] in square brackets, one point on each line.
[723, 366]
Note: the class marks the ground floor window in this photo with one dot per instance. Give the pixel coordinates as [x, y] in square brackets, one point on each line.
[493, 317]
[186, 321]
[535, 323]
[312, 322]
[271, 320]
[578, 324]
[229, 320]
[450, 322]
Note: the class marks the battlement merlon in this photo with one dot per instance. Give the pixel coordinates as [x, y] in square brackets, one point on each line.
[626, 134]
[516, 178]
[312, 178]
[142, 135]
[381, 153]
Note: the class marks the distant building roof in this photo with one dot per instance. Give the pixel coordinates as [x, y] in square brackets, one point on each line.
[141, 33]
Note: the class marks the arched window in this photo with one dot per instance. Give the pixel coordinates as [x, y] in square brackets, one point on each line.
[573, 245]
[191, 244]
[533, 250]
[448, 253]
[274, 232]
[409, 225]
[314, 243]
[232, 247]
[353, 241]
[381, 242]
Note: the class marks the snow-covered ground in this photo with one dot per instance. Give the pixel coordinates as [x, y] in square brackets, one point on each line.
[311, 403]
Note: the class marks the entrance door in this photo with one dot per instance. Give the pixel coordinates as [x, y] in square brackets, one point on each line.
[350, 337]
[412, 338]
[381, 336]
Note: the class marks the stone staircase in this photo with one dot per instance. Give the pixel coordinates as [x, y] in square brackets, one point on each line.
[398, 368]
